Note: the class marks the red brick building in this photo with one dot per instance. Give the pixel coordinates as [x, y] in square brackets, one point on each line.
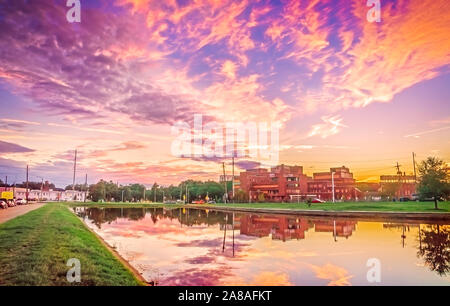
[339, 228]
[321, 185]
[403, 185]
[281, 183]
[289, 183]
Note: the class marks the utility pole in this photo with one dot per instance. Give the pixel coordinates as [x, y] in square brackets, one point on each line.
[85, 189]
[332, 184]
[154, 193]
[398, 169]
[74, 170]
[42, 187]
[399, 173]
[6, 182]
[225, 183]
[26, 193]
[232, 179]
[414, 164]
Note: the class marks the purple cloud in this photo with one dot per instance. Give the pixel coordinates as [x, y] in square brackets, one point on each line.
[247, 164]
[7, 147]
[80, 69]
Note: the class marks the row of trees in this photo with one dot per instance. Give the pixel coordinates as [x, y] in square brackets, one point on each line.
[189, 190]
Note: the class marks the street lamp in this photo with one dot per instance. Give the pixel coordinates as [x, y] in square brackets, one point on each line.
[42, 187]
[332, 184]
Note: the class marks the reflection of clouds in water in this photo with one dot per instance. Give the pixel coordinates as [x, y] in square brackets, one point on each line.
[189, 251]
[264, 278]
[201, 260]
[337, 276]
[198, 277]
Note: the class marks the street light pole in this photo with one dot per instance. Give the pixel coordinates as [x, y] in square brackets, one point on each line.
[332, 184]
[42, 187]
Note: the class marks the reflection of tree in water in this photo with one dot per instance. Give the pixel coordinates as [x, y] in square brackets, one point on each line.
[187, 217]
[108, 215]
[434, 248]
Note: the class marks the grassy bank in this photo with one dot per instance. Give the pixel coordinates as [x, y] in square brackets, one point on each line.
[35, 247]
[350, 206]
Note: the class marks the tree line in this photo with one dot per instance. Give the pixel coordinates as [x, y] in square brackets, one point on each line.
[190, 190]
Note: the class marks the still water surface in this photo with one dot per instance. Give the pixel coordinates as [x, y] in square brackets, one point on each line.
[206, 247]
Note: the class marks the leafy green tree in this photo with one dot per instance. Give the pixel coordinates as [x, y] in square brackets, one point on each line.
[97, 191]
[106, 191]
[126, 192]
[78, 187]
[31, 185]
[154, 194]
[434, 181]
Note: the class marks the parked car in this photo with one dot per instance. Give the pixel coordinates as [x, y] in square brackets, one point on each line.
[3, 205]
[317, 201]
[11, 203]
[211, 202]
[7, 202]
[21, 202]
[198, 202]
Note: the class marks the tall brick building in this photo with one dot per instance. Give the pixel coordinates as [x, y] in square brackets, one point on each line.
[344, 185]
[281, 183]
[289, 183]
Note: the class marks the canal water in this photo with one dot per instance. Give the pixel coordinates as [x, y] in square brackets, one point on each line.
[207, 247]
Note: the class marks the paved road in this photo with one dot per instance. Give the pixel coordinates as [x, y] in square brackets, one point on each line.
[12, 212]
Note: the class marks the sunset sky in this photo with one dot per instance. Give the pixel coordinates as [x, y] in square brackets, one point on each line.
[346, 91]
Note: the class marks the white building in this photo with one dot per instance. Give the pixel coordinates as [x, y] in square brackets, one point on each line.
[49, 195]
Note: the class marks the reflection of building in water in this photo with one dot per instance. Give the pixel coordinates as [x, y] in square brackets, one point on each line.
[230, 224]
[403, 227]
[339, 228]
[280, 227]
[399, 225]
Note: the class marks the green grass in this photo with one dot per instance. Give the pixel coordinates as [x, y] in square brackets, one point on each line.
[35, 247]
[351, 206]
